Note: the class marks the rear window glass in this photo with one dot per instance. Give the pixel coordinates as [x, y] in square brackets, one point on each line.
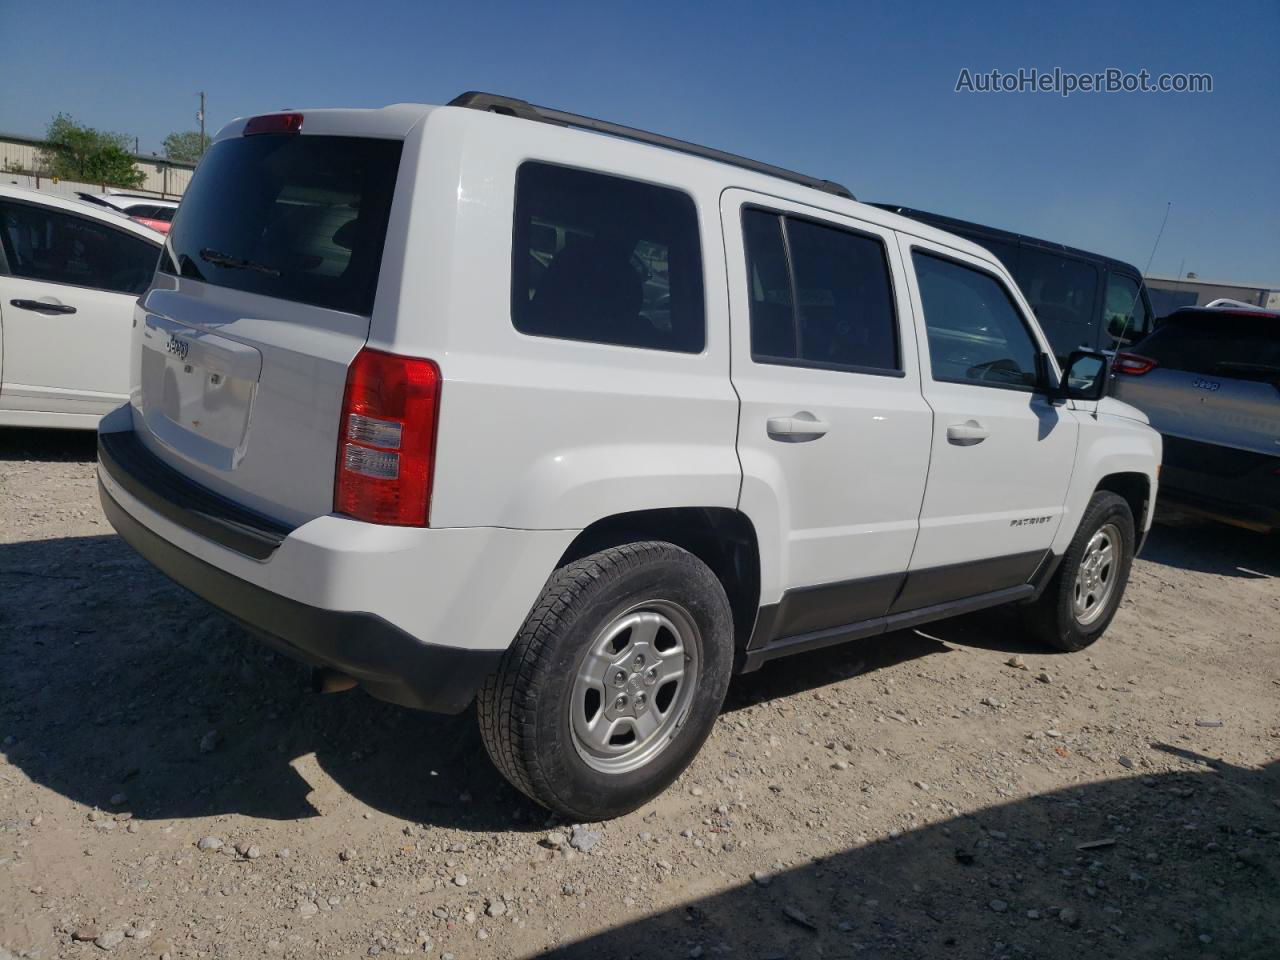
[1218, 345]
[606, 260]
[297, 217]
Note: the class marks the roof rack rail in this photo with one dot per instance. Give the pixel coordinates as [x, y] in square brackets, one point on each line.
[512, 107]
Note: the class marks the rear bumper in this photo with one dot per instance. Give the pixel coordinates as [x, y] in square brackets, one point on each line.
[1252, 516]
[420, 617]
[388, 662]
[1235, 486]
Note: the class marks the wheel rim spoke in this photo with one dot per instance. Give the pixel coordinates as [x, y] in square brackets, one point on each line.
[619, 680]
[1095, 575]
[646, 724]
[595, 668]
[645, 629]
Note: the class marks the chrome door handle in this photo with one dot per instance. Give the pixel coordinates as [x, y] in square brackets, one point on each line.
[794, 429]
[966, 434]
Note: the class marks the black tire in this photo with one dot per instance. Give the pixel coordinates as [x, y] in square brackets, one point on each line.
[1052, 619]
[524, 706]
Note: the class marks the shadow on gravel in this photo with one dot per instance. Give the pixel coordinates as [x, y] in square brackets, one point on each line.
[114, 677]
[1207, 547]
[115, 681]
[48, 446]
[111, 677]
[1182, 864]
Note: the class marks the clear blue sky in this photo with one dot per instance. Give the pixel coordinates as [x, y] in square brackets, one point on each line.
[861, 93]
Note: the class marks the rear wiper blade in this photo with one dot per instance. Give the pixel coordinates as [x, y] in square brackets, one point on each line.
[236, 263]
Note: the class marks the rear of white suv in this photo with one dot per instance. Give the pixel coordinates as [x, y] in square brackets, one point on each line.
[272, 462]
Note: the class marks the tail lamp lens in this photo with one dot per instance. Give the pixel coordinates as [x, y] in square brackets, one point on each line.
[1133, 364]
[386, 444]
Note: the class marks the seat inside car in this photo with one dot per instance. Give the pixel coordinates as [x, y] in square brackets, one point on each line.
[590, 282]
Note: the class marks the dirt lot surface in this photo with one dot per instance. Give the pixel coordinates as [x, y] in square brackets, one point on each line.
[913, 796]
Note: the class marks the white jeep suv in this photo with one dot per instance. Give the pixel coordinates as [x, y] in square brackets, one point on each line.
[476, 403]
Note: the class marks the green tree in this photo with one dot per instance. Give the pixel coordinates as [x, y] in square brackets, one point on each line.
[186, 146]
[77, 152]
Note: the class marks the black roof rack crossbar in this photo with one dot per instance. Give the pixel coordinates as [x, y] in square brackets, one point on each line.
[512, 107]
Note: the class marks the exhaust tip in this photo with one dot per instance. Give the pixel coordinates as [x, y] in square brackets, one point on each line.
[324, 680]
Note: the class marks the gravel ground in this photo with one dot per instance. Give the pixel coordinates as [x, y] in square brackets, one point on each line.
[170, 788]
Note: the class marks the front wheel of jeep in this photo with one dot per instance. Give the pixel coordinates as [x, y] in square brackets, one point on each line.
[1085, 592]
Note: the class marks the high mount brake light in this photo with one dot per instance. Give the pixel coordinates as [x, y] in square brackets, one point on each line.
[387, 439]
[1133, 364]
[274, 123]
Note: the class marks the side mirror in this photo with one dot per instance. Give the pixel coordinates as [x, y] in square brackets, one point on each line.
[1084, 377]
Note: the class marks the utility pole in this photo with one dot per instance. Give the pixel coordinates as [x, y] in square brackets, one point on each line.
[200, 117]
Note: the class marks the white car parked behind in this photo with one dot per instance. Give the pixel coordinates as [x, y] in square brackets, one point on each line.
[70, 274]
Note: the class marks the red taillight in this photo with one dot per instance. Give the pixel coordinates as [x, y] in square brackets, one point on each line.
[1133, 364]
[387, 439]
[159, 226]
[274, 123]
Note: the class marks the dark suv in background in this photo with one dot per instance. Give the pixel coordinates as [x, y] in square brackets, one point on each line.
[1084, 301]
[1209, 379]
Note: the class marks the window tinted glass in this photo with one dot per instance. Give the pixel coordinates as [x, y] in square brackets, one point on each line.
[1123, 312]
[1218, 345]
[297, 217]
[841, 314]
[605, 259]
[1006, 252]
[164, 213]
[976, 334]
[45, 244]
[844, 298]
[1061, 291]
[773, 321]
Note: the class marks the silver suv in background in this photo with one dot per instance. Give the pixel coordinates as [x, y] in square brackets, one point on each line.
[1209, 380]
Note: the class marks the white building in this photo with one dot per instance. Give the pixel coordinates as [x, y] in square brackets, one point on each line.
[1169, 293]
[20, 164]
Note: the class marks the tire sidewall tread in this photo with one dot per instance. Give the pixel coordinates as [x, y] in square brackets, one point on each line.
[1052, 617]
[523, 705]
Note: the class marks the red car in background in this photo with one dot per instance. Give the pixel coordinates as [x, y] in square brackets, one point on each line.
[151, 212]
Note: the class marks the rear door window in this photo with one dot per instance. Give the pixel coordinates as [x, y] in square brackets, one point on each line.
[49, 245]
[821, 295]
[298, 217]
[606, 260]
[1218, 345]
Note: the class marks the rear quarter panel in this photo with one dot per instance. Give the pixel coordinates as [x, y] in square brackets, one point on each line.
[535, 432]
[1242, 414]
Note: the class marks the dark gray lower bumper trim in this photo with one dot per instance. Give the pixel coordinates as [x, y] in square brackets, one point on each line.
[390, 664]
